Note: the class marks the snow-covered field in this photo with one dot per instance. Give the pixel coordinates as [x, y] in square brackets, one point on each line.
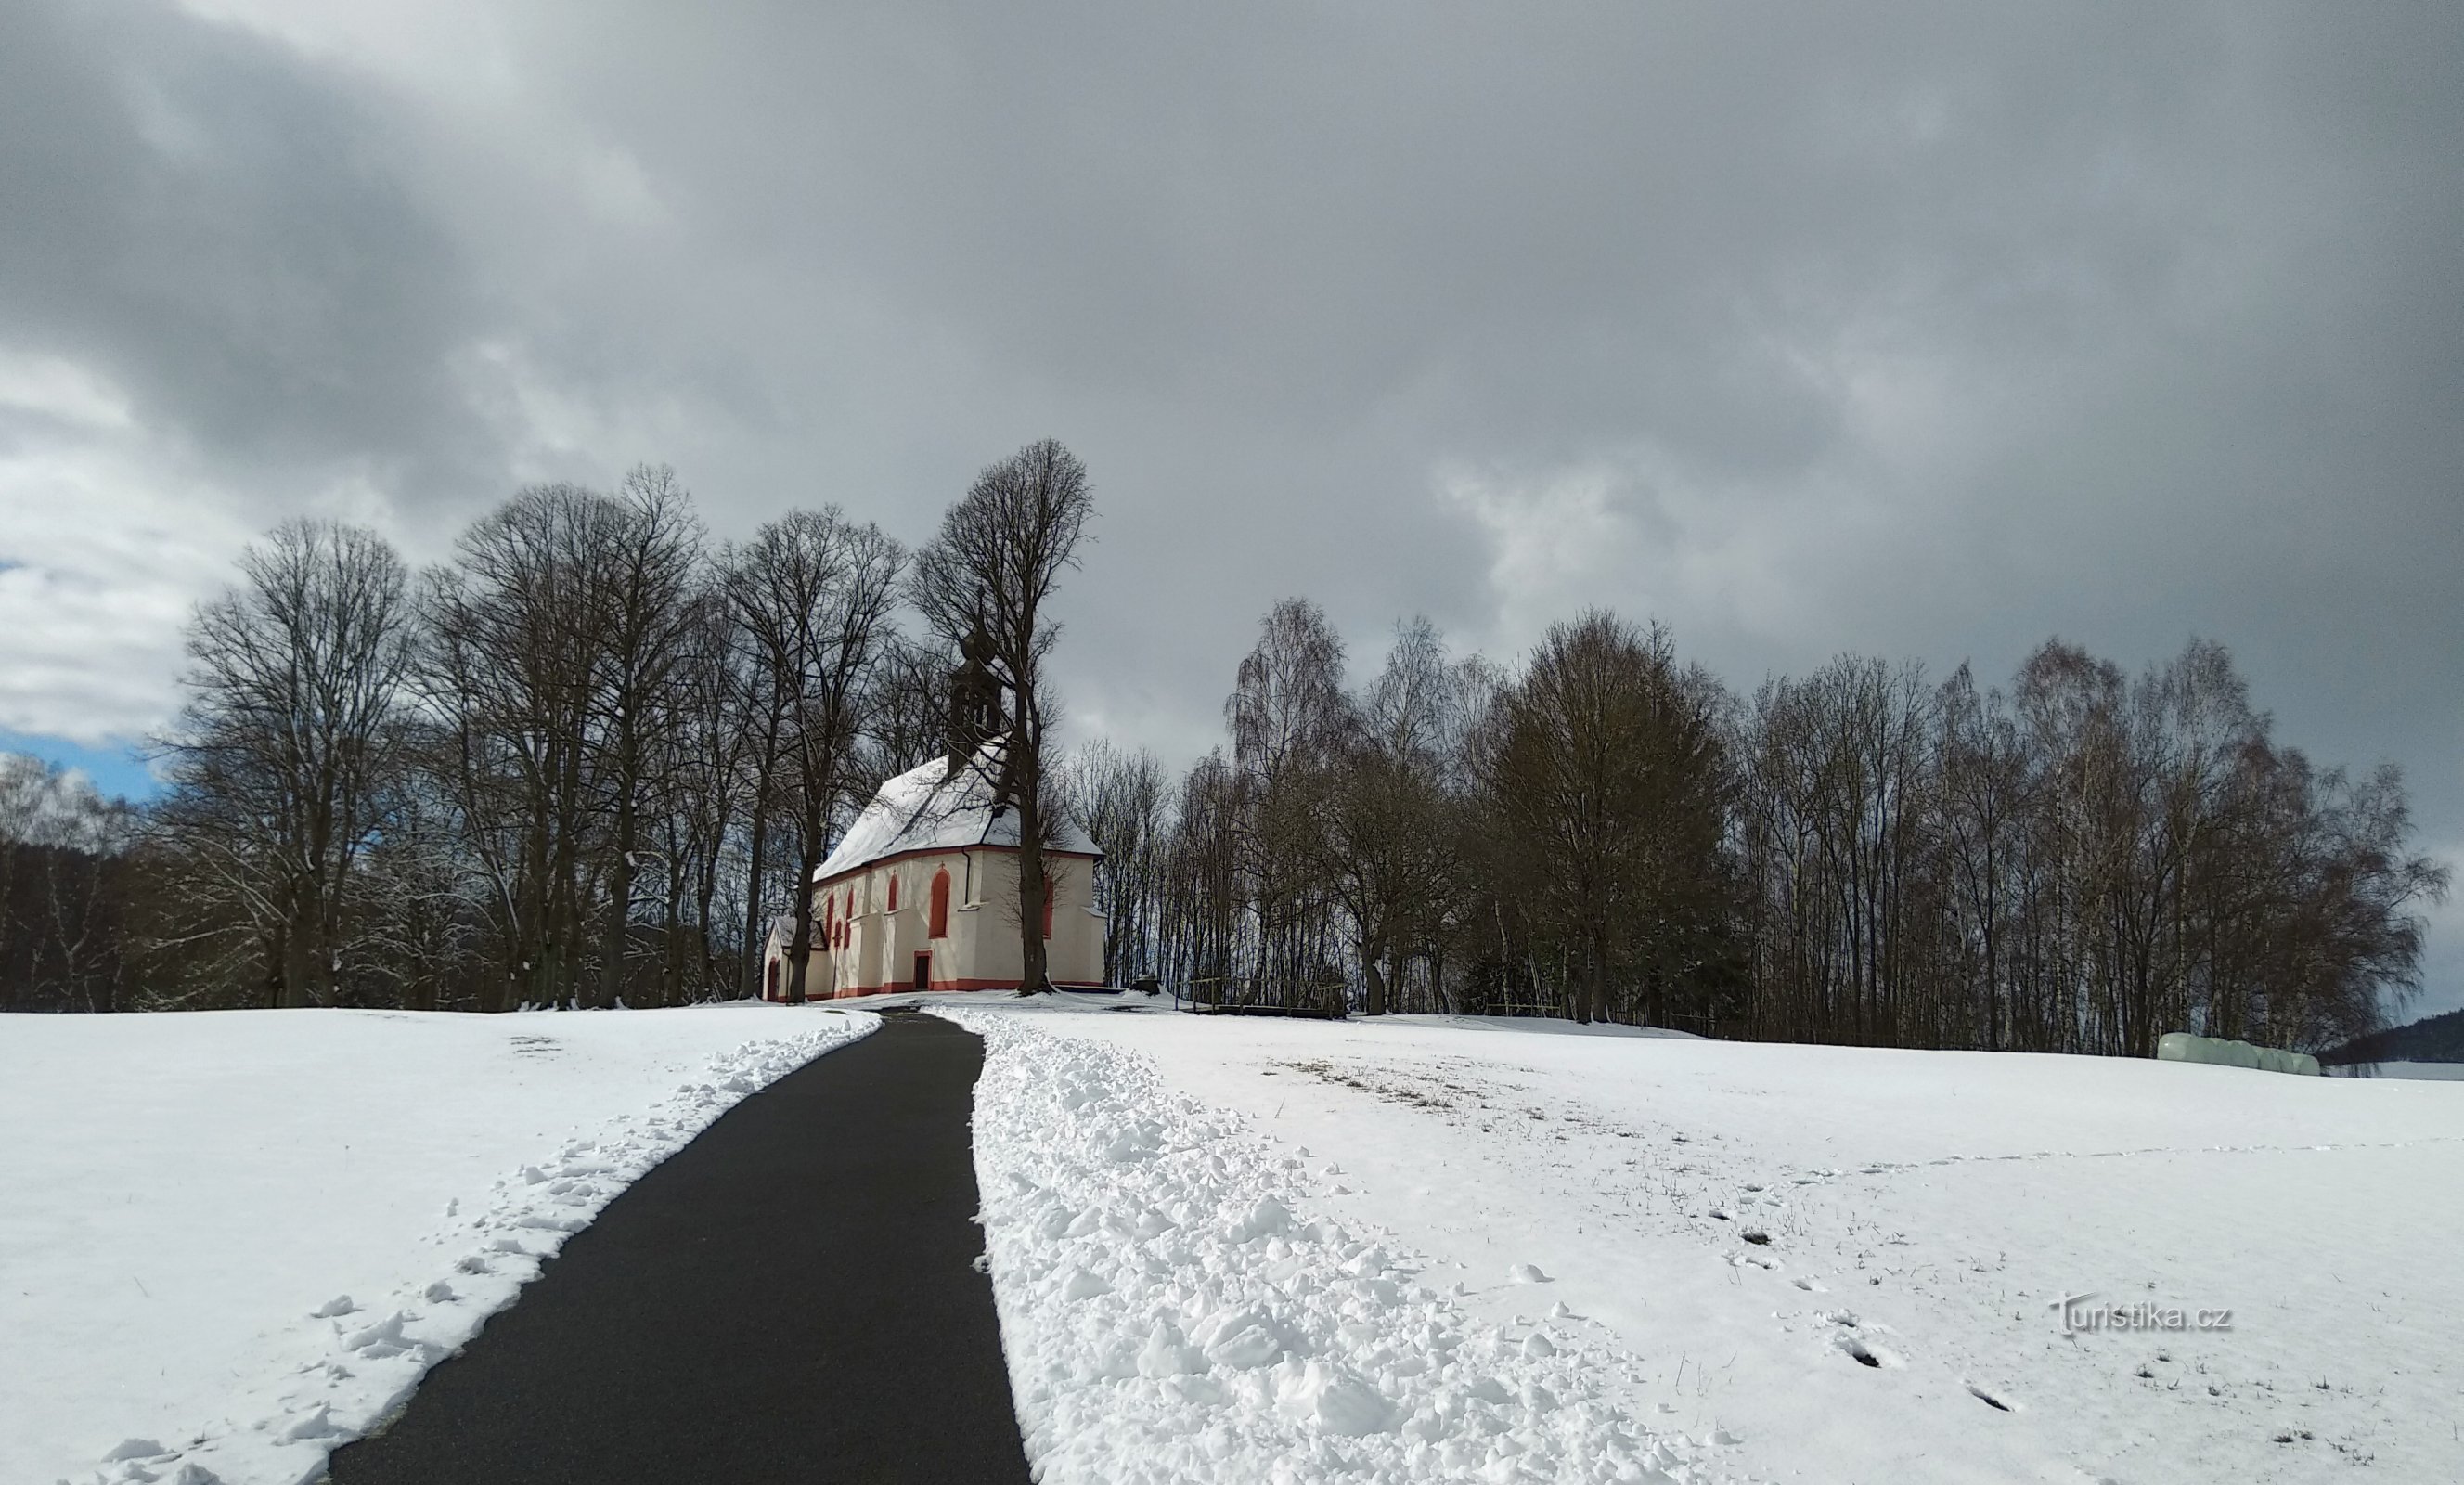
[231, 1241]
[1228, 1249]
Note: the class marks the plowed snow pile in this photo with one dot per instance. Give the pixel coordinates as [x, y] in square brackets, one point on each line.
[1174, 1309]
[1860, 1264]
[231, 1241]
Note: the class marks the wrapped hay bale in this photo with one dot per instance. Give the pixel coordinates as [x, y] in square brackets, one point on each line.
[2217, 1051]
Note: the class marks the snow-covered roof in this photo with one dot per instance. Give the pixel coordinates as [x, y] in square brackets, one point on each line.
[930, 808]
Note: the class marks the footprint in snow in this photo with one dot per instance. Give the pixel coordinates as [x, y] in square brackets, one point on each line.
[1862, 1354]
[1999, 1404]
[136, 1449]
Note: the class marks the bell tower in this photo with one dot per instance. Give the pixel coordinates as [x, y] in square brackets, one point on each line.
[975, 699]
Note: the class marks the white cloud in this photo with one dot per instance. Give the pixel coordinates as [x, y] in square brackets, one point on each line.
[108, 545]
[53, 388]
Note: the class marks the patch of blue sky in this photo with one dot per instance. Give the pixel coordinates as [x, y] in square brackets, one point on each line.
[115, 767]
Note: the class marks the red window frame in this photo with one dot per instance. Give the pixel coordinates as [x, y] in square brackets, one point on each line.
[940, 926]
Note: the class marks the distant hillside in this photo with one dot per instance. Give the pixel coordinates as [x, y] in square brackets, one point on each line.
[2434, 1039]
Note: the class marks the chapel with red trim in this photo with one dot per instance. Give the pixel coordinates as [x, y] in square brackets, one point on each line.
[922, 892]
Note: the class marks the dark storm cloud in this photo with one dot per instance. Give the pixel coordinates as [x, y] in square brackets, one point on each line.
[218, 228]
[1921, 331]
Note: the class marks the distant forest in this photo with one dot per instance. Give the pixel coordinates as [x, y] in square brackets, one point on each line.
[2429, 1039]
[591, 758]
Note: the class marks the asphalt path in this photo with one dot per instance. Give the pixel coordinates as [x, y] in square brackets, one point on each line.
[791, 1297]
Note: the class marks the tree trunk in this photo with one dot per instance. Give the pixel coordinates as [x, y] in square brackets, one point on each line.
[799, 947]
[1032, 884]
[1372, 972]
[757, 934]
[298, 954]
[614, 933]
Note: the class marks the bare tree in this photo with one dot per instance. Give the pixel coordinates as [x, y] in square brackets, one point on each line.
[992, 571]
[1119, 800]
[646, 562]
[1389, 837]
[514, 654]
[1606, 783]
[1983, 804]
[280, 764]
[908, 714]
[1199, 922]
[706, 766]
[1291, 721]
[813, 593]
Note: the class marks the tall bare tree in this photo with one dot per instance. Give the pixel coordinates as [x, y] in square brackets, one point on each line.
[993, 569]
[813, 593]
[515, 655]
[1603, 777]
[711, 773]
[1291, 722]
[1389, 835]
[282, 760]
[646, 566]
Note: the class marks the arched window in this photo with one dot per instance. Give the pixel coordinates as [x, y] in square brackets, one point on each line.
[1051, 890]
[894, 891]
[940, 923]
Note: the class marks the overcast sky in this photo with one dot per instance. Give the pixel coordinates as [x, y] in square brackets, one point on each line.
[1924, 332]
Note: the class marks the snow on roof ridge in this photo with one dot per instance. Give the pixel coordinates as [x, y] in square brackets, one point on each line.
[929, 808]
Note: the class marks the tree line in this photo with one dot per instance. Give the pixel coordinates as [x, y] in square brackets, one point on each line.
[586, 761]
[64, 890]
[593, 757]
[2080, 861]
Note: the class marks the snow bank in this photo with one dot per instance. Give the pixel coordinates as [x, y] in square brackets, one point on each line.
[1173, 1311]
[245, 1236]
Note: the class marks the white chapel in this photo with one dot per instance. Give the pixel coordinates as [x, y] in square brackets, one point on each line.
[922, 892]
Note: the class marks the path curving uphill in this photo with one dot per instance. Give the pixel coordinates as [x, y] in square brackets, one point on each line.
[793, 1296]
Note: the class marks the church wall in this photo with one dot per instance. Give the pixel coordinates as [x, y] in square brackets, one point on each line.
[820, 983]
[878, 948]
